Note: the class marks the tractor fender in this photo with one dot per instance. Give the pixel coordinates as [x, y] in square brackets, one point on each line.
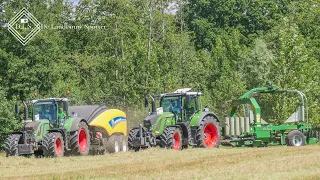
[185, 129]
[75, 124]
[60, 130]
[203, 115]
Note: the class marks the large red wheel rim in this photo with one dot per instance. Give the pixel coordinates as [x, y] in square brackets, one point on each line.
[177, 141]
[210, 135]
[83, 143]
[58, 146]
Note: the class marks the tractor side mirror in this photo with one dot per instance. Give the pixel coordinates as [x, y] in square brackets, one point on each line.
[187, 100]
[65, 106]
[25, 109]
[154, 110]
[146, 102]
[16, 108]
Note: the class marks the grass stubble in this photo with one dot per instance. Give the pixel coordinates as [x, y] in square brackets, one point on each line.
[155, 163]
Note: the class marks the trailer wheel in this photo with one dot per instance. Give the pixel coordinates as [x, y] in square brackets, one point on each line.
[296, 138]
[113, 144]
[123, 143]
[208, 133]
[53, 145]
[132, 135]
[11, 143]
[80, 141]
[173, 138]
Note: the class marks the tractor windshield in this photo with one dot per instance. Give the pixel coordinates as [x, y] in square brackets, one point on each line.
[171, 104]
[45, 110]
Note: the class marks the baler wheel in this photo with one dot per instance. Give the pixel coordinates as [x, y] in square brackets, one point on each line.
[80, 141]
[296, 138]
[173, 138]
[132, 135]
[208, 133]
[113, 144]
[123, 143]
[11, 143]
[53, 145]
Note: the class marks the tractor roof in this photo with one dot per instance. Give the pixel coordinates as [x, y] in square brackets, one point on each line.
[182, 91]
[36, 100]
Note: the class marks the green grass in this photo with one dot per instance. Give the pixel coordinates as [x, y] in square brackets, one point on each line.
[238, 163]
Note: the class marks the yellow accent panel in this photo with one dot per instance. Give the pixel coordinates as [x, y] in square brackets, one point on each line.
[103, 119]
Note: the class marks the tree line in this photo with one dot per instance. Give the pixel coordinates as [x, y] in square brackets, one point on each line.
[228, 47]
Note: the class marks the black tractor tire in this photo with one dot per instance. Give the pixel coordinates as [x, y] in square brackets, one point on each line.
[208, 133]
[296, 138]
[11, 143]
[173, 138]
[163, 138]
[53, 145]
[80, 141]
[123, 143]
[113, 144]
[133, 133]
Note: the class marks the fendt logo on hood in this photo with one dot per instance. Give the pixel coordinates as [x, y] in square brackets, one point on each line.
[24, 26]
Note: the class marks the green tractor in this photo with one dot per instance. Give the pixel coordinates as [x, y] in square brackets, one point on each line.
[180, 121]
[57, 129]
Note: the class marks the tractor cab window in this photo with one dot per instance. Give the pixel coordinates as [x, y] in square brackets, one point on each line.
[61, 113]
[45, 110]
[190, 108]
[171, 104]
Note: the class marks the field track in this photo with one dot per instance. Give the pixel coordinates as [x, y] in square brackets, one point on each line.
[238, 163]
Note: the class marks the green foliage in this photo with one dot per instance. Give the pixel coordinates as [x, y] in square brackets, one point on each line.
[228, 47]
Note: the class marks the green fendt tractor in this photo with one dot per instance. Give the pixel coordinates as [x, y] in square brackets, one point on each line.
[56, 129]
[180, 121]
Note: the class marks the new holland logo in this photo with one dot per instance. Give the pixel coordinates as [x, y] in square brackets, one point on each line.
[116, 120]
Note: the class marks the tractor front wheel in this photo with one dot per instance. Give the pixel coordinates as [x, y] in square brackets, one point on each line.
[12, 144]
[173, 138]
[53, 145]
[80, 141]
[208, 133]
[296, 138]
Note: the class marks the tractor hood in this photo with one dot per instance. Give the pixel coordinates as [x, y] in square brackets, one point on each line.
[32, 125]
[151, 120]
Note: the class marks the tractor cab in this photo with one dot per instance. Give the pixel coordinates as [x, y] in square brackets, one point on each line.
[183, 103]
[52, 109]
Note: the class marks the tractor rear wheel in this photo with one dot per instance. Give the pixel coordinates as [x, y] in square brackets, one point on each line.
[80, 141]
[208, 133]
[296, 138]
[173, 138]
[132, 135]
[53, 145]
[12, 144]
[113, 144]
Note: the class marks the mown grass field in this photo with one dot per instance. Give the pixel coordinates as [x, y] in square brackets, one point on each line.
[224, 163]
